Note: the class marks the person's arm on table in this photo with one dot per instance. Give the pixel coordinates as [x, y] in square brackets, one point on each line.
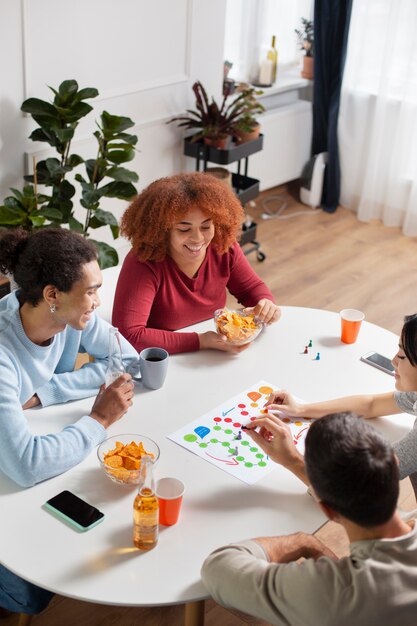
[368, 406]
[28, 459]
[260, 578]
[249, 289]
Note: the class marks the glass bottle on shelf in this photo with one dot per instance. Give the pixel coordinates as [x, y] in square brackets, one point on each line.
[115, 367]
[273, 57]
[146, 508]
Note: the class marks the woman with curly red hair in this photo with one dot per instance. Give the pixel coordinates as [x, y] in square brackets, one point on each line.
[184, 255]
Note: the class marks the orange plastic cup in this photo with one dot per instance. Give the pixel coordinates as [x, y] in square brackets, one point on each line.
[351, 322]
[169, 492]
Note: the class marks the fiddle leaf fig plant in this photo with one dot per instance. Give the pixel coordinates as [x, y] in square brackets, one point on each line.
[103, 176]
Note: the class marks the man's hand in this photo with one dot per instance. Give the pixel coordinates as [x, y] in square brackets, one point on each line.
[290, 548]
[265, 311]
[213, 341]
[275, 438]
[112, 402]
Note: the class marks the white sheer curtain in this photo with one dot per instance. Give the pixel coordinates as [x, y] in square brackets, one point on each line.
[250, 25]
[377, 127]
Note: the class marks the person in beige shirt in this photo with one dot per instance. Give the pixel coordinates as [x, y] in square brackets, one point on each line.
[353, 474]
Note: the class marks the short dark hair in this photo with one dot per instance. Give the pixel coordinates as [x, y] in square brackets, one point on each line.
[352, 468]
[50, 256]
[409, 338]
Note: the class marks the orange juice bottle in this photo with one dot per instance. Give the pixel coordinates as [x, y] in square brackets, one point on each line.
[146, 509]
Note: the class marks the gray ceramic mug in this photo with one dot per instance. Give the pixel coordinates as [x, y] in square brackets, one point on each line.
[153, 365]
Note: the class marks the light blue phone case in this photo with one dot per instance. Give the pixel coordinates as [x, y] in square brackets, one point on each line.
[64, 518]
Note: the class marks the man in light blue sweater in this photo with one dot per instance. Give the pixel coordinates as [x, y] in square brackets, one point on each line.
[43, 326]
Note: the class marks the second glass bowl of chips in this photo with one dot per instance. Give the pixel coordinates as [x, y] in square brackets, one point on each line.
[120, 456]
[238, 327]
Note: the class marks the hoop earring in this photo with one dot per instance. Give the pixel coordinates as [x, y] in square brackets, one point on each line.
[52, 308]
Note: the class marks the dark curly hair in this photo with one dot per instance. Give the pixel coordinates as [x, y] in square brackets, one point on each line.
[51, 256]
[149, 218]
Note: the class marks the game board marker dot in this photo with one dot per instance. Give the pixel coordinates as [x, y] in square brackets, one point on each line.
[217, 419]
[190, 438]
[225, 443]
[254, 404]
[248, 464]
[259, 456]
[228, 419]
[237, 424]
[245, 443]
[241, 406]
[240, 458]
[217, 427]
[214, 441]
[253, 449]
[203, 445]
[228, 431]
[244, 413]
[262, 464]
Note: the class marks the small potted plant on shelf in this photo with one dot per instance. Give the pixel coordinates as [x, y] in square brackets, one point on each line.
[215, 124]
[247, 127]
[305, 36]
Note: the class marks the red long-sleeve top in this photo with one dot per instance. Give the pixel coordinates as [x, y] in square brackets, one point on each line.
[155, 298]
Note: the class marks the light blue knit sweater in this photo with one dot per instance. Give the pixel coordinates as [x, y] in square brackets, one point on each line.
[26, 369]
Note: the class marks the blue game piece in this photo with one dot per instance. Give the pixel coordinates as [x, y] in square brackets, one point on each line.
[317, 356]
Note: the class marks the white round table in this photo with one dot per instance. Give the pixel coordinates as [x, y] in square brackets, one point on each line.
[102, 565]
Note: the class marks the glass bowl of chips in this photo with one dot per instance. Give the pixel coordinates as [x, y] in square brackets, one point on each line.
[237, 326]
[120, 457]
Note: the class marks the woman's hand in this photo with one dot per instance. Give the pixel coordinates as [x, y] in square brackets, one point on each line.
[112, 402]
[213, 341]
[33, 401]
[265, 311]
[280, 400]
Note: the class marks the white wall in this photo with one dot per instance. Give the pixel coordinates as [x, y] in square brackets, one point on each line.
[142, 56]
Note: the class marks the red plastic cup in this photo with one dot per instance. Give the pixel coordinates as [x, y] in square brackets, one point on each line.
[169, 492]
[351, 322]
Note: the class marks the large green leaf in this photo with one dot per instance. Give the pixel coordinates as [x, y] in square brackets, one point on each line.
[121, 156]
[37, 220]
[122, 174]
[34, 106]
[130, 139]
[96, 169]
[102, 218]
[12, 216]
[75, 225]
[107, 256]
[113, 124]
[87, 92]
[50, 213]
[118, 189]
[74, 160]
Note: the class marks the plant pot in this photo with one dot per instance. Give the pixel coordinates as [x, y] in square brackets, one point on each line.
[244, 136]
[308, 68]
[217, 142]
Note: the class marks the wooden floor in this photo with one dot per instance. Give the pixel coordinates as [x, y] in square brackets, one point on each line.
[317, 260]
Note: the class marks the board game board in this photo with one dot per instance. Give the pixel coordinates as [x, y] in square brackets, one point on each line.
[217, 436]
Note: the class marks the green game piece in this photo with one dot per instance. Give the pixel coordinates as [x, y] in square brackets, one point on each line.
[190, 438]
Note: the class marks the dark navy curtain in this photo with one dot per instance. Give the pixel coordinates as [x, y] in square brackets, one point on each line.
[331, 27]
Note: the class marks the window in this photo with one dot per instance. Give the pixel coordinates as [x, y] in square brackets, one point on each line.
[250, 25]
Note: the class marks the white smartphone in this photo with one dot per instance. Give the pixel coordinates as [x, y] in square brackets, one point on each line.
[377, 360]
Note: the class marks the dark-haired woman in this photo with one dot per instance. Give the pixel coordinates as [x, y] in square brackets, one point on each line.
[183, 230]
[377, 405]
[43, 326]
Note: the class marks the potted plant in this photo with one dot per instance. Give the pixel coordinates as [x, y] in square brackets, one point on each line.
[306, 43]
[247, 127]
[104, 176]
[215, 124]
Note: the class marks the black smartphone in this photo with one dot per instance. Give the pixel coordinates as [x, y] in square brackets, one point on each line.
[76, 512]
[377, 360]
